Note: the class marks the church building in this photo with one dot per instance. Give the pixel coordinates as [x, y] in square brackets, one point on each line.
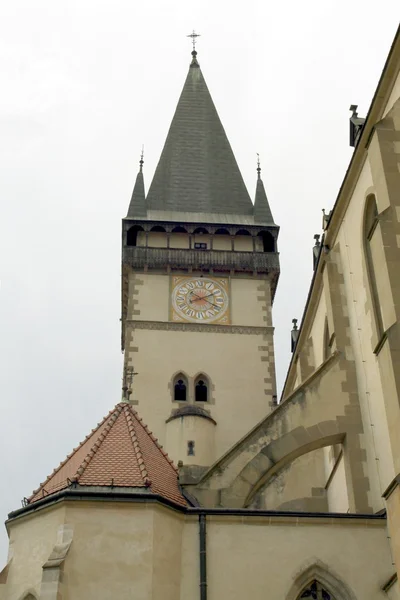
[199, 484]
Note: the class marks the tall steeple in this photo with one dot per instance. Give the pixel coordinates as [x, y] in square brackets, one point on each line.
[137, 206]
[197, 171]
[262, 211]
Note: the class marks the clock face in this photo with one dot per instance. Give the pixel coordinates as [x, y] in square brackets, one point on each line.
[200, 300]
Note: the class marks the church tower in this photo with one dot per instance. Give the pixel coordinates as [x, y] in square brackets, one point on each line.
[199, 272]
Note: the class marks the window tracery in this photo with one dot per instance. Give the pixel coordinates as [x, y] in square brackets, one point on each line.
[316, 591]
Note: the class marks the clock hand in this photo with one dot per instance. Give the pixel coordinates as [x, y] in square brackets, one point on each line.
[203, 298]
[212, 293]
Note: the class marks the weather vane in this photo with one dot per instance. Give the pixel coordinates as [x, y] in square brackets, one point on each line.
[258, 165]
[194, 35]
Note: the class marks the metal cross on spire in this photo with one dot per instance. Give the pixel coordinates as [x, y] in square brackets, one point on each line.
[194, 35]
[258, 166]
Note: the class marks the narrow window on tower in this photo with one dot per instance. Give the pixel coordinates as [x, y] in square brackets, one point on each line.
[373, 253]
[201, 389]
[180, 388]
[190, 448]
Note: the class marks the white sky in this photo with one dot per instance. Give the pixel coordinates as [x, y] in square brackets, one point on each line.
[84, 84]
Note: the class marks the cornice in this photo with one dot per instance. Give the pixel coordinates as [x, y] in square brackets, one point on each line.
[200, 328]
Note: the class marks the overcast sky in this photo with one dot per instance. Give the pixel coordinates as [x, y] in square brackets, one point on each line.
[84, 85]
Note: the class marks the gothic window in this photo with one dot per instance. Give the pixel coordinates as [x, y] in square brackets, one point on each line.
[180, 388]
[327, 339]
[190, 448]
[371, 242]
[131, 235]
[316, 591]
[201, 389]
[267, 241]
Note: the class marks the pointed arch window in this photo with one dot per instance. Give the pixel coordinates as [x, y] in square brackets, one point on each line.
[371, 244]
[180, 388]
[316, 591]
[201, 389]
[327, 342]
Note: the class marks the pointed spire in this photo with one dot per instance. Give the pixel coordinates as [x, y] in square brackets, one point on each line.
[137, 206]
[197, 171]
[262, 211]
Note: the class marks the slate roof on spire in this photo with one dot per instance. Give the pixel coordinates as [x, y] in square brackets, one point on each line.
[197, 171]
[119, 452]
[137, 206]
[262, 211]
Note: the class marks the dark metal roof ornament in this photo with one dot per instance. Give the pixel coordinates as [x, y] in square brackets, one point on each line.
[194, 35]
[294, 334]
[258, 166]
[141, 161]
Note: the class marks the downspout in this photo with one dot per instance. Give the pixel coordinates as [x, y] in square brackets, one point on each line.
[203, 556]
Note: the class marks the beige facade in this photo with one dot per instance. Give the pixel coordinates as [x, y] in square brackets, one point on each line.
[285, 501]
[237, 359]
[129, 550]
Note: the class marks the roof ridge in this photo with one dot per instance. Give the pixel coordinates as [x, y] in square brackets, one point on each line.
[82, 467]
[71, 454]
[135, 443]
[152, 437]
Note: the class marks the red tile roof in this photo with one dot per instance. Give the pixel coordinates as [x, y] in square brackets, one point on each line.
[120, 452]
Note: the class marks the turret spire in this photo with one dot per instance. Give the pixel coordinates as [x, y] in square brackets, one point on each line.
[262, 211]
[137, 206]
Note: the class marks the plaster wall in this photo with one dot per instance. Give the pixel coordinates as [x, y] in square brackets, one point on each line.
[147, 551]
[31, 541]
[338, 500]
[262, 558]
[157, 239]
[200, 431]
[239, 364]
[243, 243]
[150, 299]
[178, 240]
[222, 242]
[393, 592]
[122, 551]
[379, 456]
[394, 95]
[239, 393]
[298, 486]
[318, 330]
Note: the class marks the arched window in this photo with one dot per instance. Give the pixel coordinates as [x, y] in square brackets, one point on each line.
[327, 339]
[179, 229]
[158, 228]
[131, 235]
[268, 241]
[370, 227]
[242, 232]
[316, 591]
[201, 389]
[222, 231]
[200, 230]
[180, 388]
